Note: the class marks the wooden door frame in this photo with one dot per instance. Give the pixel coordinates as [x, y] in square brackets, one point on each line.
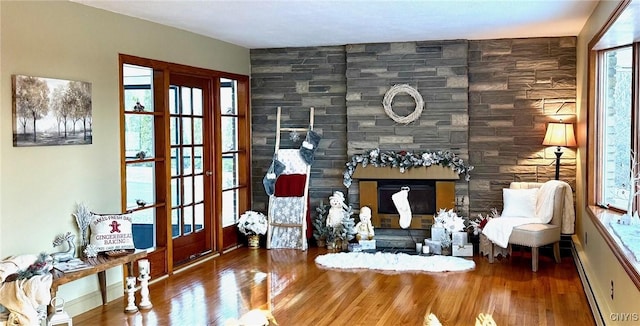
[161, 256]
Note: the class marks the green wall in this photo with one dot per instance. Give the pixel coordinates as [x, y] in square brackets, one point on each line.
[39, 186]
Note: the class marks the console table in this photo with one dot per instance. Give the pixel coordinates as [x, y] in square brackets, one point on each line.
[99, 266]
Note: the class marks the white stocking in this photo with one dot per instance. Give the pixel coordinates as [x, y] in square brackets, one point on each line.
[400, 199]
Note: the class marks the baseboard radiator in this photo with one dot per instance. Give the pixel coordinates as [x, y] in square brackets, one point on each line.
[588, 291]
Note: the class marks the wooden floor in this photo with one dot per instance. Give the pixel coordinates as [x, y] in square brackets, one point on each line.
[298, 292]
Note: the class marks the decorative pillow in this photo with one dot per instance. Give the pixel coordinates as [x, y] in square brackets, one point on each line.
[519, 202]
[111, 232]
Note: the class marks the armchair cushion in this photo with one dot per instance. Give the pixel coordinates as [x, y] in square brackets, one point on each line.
[519, 202]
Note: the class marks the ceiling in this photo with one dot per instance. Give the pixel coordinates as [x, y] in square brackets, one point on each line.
[300, 23]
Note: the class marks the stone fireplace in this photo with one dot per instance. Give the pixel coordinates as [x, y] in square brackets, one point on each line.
[430, 189]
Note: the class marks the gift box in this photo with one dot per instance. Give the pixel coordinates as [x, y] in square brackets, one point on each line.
[435, 246]
[465, 250]
[437, 233]
[459, 238]
[367, 244]
[354, 247]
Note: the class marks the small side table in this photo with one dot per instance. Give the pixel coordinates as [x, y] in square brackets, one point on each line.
[486, 249]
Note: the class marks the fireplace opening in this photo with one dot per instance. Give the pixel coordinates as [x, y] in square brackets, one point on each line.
[422, 196]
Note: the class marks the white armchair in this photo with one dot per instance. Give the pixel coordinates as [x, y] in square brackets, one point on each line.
[558, 194]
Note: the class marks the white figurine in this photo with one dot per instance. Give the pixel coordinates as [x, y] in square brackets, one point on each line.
[364, 227]
[338, 209]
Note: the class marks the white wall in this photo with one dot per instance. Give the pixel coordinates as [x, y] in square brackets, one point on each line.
[39, 186]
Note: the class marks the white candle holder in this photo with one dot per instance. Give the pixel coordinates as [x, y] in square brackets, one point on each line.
[145, 303]
[144, 267]
[131, 295]
[145, 270]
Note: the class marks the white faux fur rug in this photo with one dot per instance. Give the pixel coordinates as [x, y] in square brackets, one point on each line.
[395, 262]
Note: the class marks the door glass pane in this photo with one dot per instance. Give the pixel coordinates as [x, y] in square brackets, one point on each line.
[228, 96]
[143, 228]
[175, 162]
[197, 102]
[140, 183]
[175, 130]
[176, 198]
[139, 140]
[616, 127]
[229, 207]
[188, 219]
[187, 167]
[175, 222]
[186, 131]
[229, 133]
[229, 170]
[197, 131]
[188, 190]
[198, 189]
[173, 100]
[186, 100]
[198, 216]
[197, 159]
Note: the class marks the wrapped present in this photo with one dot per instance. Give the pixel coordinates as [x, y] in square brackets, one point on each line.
[367, 244]
[459, 238]
[465, 250]
[354, 247]
[438, 233]
[435, 246]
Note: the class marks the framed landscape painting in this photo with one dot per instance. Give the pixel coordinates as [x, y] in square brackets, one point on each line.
[49, 111]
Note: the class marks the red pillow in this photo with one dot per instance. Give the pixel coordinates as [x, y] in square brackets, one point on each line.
[290, 185]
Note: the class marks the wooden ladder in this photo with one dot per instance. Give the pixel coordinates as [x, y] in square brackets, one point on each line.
[303, 225]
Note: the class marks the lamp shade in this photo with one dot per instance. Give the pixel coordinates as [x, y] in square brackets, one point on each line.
[559, 134]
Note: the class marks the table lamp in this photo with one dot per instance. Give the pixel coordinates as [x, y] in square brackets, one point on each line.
[559, 134]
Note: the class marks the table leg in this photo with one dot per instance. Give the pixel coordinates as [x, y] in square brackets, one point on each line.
[102, 280]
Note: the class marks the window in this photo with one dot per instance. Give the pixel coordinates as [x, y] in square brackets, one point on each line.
[230, 151]
[140, 161]
[612, 131]
[614, 122]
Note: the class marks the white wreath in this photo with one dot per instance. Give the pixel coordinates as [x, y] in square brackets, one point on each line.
[403, 88]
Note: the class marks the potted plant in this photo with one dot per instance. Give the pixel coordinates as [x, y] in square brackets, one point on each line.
[253, 224]
[319, 223]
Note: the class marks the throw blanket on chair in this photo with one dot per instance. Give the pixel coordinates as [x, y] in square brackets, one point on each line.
[498, 230]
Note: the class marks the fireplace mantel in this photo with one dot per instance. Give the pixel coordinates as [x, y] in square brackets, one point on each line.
[433, 172]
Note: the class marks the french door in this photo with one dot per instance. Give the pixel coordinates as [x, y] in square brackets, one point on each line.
[185, 154]
[191, 167]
